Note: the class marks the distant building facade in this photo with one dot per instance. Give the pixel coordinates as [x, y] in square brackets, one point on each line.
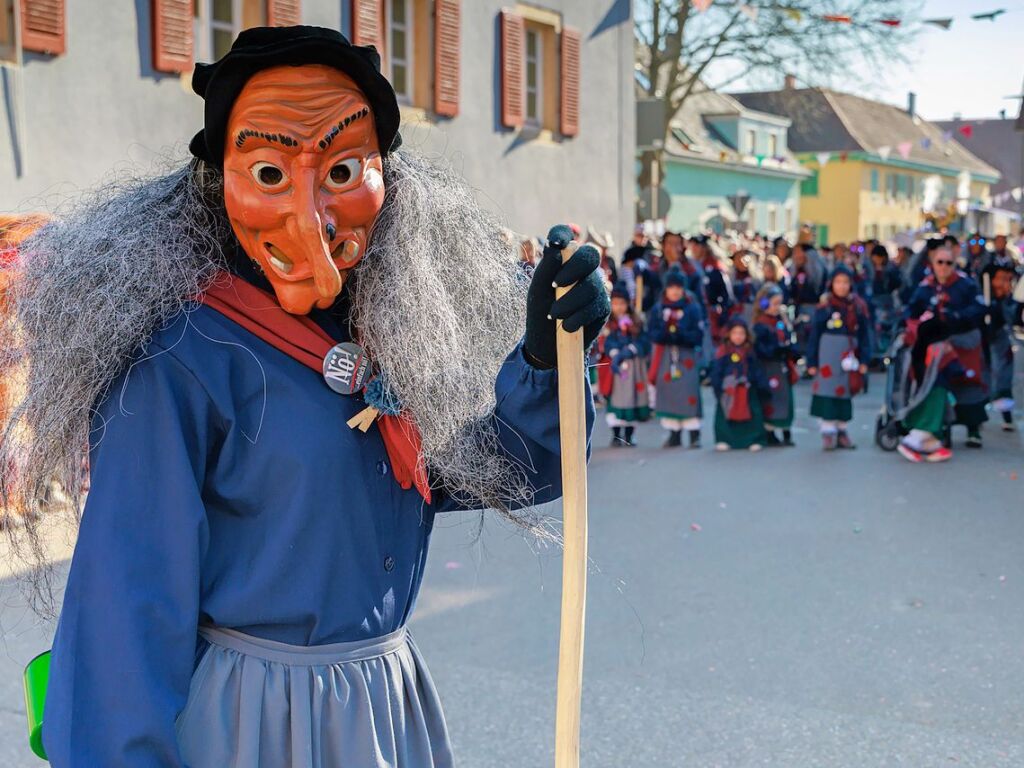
[717, 149]
[533, 103]
[877, 170]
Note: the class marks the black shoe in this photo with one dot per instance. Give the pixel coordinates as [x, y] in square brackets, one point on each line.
[974, 440]
[675, 439]
[843, 441]
[771, 439]
[695, 438]
[616, 437]
[787, 438]
[628, 441]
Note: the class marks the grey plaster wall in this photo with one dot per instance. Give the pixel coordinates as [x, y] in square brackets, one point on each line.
[68, 122]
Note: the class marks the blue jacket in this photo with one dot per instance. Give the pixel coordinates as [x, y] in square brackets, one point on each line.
[687, 332]
[227, 489]
[747, 365]
[958, 303]
[621, 345]
[843, 317]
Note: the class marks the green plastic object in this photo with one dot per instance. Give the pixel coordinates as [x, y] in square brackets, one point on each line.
[37, 676]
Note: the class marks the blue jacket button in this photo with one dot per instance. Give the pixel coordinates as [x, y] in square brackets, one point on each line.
[389, 563]
[382, 467]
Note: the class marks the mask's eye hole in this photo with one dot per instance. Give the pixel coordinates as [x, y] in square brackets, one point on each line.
[267, 175]
[343, 173]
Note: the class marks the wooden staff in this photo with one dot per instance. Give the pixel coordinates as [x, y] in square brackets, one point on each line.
[572, 425]
[640, 294]
[986, 287]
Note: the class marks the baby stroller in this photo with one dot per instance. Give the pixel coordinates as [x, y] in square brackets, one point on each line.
[902, 394]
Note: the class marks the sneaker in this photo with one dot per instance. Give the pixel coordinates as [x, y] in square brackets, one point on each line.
[974, 440]
[843, 441]
[913, 456]
[828, 441]
[755, 448]
[722, 447]
[942, 454]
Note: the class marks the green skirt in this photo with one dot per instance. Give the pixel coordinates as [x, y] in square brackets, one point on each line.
[740, 434]
[786, 423]
[832, 408]
[930, 413]
[642, 413]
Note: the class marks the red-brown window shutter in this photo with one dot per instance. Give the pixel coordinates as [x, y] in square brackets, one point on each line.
[570, 101]
[368, 23]
[284, 13]
[43, 26]
[447, 56]
[172, 36]
[513, 32]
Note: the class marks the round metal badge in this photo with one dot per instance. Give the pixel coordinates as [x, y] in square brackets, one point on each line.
[347, 368]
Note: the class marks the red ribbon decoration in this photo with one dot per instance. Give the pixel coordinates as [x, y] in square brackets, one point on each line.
[301, 339]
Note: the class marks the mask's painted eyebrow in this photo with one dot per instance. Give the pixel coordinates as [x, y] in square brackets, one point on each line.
[272, 138]
[325, 142]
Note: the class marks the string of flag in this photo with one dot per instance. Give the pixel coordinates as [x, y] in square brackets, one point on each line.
[798, 15]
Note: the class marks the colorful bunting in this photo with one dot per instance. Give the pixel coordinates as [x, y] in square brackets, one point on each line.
[702, 5]
[990, 16]
[1016, 192]
[967, 131]
[723, 156]
[926, 143]
[823, 158]
[890, 22]
[837, 19]
[947, 136]
[843, 156]
[794, 13]
[904, 149]
[884, 152]
[760, 159]
[943, 23]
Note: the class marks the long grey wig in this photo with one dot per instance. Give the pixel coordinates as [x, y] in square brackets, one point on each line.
[438, 279]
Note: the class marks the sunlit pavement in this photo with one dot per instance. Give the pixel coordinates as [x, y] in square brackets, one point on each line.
[785, 609]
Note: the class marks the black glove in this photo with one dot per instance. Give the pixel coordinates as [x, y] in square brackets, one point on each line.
[585, 306]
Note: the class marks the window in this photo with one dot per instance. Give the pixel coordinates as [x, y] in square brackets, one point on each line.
[8, 40]
[789, 218]
[400, 48]
[773, 219]
[750, 216]
[874, 179]
[217, 23]
[750, 145]
[773, 148]
[534, 78]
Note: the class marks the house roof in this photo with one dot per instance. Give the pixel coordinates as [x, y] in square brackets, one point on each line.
[829, 121]
[707, 145]
[996, 141]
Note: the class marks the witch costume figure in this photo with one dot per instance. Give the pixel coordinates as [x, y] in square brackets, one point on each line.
[773, 345]
[626, 344]
[254, 540]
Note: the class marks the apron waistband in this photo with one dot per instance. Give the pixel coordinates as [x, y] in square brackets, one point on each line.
[303, 655]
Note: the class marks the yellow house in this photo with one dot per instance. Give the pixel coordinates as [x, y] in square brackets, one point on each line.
[877, 170]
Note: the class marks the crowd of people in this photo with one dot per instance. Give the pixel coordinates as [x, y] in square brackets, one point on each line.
[750, 317]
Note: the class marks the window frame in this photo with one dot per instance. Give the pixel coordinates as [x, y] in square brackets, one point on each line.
[204, 26]
[750, 141]
[409, 60]
[10, 49]
[535, 121]
[773, 145]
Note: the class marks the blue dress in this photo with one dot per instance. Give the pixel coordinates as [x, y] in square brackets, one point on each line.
[228, 491]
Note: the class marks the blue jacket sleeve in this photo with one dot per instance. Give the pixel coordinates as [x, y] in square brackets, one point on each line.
[865, 338]
[526, 422]
[971, 312]
[766, 342]
[717, 375]
[125, 647]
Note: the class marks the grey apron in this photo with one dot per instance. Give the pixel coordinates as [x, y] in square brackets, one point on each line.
[629, 386]
[677, 385]
[832, 380]
[364, 704]
[776, 405]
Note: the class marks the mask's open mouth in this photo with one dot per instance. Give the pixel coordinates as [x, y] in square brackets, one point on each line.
[345, 256]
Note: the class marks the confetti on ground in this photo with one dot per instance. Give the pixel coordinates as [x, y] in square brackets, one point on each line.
[722, 505]
[695, 527]
[1013, 475]
[857, 529]
[1002, 578]
[452, 565]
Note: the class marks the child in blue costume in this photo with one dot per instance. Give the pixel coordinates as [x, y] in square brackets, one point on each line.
[739, 384]
[838, 349]
[246, 562]
[627, 346]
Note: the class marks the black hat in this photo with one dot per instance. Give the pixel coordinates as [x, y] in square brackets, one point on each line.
[620, 291]
[840, 269]
[264, 47]
[675, 277]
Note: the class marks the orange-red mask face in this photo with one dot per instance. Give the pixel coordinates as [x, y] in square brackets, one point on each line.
[303, 180]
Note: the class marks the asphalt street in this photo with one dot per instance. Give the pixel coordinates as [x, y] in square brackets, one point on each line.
[791, 609]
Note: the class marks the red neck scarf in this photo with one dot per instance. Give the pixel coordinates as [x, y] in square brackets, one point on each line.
[302, 339]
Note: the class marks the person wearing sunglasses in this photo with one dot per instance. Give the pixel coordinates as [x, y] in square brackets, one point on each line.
[945, 315]
[978, 256]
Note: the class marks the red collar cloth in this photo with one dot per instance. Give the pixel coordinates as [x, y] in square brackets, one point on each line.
[302, 339]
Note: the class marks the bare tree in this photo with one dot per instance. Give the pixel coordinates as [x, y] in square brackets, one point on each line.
[682, 49]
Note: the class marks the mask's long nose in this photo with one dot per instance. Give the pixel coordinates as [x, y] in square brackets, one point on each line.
[311, 233]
